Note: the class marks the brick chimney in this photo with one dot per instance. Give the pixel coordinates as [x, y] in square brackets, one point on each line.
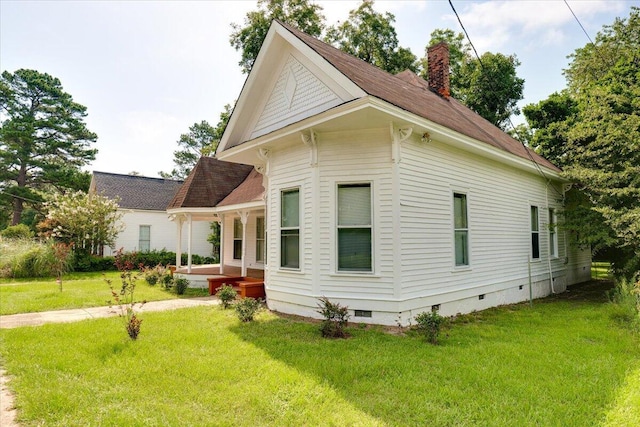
[438, 62]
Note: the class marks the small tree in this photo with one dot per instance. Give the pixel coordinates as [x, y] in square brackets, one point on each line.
[124, 297]
[61, 260]
[88, 221]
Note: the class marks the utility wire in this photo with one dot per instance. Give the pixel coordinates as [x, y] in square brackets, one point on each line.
[578, 21]
[515, 130]
[20, 197]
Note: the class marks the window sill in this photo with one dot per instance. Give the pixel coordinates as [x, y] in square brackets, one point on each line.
[367, 274]
[290, 271]
[461, 269]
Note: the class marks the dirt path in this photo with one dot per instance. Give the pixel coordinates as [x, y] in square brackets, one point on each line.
[7, 411]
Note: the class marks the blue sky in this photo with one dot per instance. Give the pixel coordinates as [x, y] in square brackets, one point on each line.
[147, 70]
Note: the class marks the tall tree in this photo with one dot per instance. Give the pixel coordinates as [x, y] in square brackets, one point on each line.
[43, 139]
[371, 36]
[248, 38]
[491, 87]
[600, 138]
[201, 140]
[551, 120]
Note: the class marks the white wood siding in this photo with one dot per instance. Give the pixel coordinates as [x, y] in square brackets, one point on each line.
[498, 207]
[163, 233]
[289, 168]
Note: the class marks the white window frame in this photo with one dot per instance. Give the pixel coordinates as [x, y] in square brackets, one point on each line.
[261, 240]
[140, 241]
[298, 228]
[534, 232]
[236, 238]
[463, 229]
[369, 226]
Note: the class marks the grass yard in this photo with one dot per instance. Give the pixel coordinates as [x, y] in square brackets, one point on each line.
[80, 290]
[566, 362]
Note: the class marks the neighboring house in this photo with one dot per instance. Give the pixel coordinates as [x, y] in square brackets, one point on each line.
[383, 193]
[143, 202]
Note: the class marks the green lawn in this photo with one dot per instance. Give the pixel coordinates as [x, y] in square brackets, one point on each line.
[79, 290]
[565, 362]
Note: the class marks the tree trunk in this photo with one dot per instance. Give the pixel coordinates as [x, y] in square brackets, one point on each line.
[18, 203]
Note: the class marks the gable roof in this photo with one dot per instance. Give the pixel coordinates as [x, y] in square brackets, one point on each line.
[134, 191]
[210, 181]
[407, 92]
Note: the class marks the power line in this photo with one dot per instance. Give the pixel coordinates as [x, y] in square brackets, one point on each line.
[515, 130]
[20, 197]
[579, 23]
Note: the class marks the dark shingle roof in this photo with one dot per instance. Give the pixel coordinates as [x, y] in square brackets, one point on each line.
[408, 93]
[251, 190]
[136, 192]
[210, 181]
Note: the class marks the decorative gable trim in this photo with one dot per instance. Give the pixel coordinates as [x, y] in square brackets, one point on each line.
[297, 94]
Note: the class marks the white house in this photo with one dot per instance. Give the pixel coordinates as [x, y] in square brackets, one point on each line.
[143, 202]
[385, 194]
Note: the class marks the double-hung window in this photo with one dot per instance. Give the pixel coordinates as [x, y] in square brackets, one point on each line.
[260, 246]
[460, 229]
[354, 228]
[144, 240]
[290, 228]
[553, 233]
[237, 238]
[535, 233]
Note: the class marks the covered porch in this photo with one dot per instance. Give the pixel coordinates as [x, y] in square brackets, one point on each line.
[209, 276]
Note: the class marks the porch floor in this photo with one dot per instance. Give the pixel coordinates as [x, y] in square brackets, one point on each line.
[213, 270]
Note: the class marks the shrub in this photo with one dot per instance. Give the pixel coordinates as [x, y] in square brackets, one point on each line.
[226, 294]
[335, 318]
[166, 279]
[429, 323]
[180, 285]
[626, 296]
[246, 308]
[124, 297]
[28, 258]
[17, 232]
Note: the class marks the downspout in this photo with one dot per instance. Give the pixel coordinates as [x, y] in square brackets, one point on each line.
[546, 195]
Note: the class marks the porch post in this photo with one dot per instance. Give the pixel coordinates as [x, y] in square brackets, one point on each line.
[221, 243]
[244, 217]
[189, 241]
[179, 220]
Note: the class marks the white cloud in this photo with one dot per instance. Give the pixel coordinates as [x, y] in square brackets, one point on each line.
[491, 24]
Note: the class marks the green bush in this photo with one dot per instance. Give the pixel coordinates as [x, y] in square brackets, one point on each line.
[247, 308]
[335, 319]
[86, 262]
[19, 232]
[26, 258]
[430, 323]
[626, 297]
[180, 285]
[227, 295]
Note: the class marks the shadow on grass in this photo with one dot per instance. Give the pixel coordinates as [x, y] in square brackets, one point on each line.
[559, 363]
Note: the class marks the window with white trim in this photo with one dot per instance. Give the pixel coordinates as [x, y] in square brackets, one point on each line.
[535, 233]
[354, 228]
[460, 229]
[144, 239]
[260, 245]
[237, 238]
[553, 233]
[290, 228]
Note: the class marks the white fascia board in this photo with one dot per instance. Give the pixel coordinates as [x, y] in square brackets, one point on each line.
[250, 206]
[465, 142]
[294, 128]
[265, 64]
